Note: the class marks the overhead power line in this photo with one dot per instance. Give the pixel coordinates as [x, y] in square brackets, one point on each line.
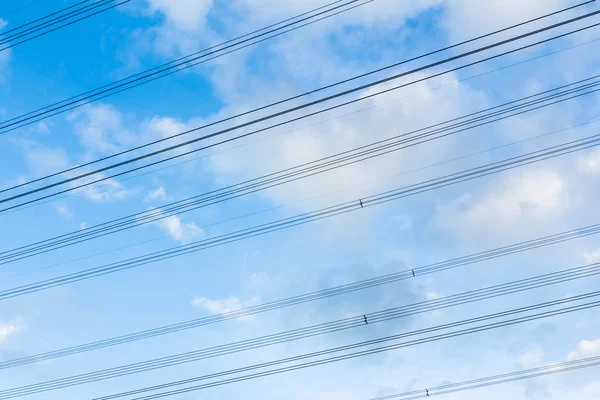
[209, 54]
[308, 169]
[281, 113]
[301, 219]
[550, 369]
[19, 35]
[347, 354]
[362, 320]
[7, 13]
[314, 296]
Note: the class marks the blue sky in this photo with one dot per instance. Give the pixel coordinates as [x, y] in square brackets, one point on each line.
[526, 203]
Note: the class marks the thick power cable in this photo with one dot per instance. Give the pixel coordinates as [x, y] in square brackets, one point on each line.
[297, 108]
[301, 219]
[105, 90]
[301, 171]
[350, 355]
[363, 320]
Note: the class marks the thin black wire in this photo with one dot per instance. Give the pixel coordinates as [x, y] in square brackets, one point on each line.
[318, 295]
[63, 26]
[21, 8]
[301, 219]
[267, 106]
[338, 117]
[356, 89]
[311, 331]
[429, 339]
[277, 179]
[43, 17]
[143, 77]
[495, 380]
[54, 21]
[240, 136]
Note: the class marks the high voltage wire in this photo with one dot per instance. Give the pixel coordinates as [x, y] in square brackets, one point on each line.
[301, 219]
[568, 48]
[6, 14]
[495, 380]
[305, 170]
[297, 108]
[350, 355]
[43, 17]
[362, 320]
[314, 296]
[192, 60]
[180, 64]
[97, 172]
[30, 33]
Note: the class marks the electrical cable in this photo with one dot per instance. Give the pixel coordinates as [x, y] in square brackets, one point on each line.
[6, 14]
[495, 380]
[318, 295]
[28, 39]
[301, 219]
[295, 173]
[362, 320]
[362, 353]
[297, 108]
[179, 64]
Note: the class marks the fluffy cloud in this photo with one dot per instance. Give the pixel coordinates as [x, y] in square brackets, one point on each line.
[591, 257]
[585, 349]
[7, 329]
[532, 196]
[63, 211]
[178, 230]
[157, 194]
[590, 163]
[101, 129]
[229, 304]
[532, 358]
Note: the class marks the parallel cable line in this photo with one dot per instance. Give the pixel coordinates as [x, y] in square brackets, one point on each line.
[301, 219]
[43, 17]
[385, 103]
[55, 28]
[297, 108]
[314, 296]
[496, 379]
[302, 171]
[363, 320]
[36, 28]
[184, 62]
[7, 13]
[350, 355]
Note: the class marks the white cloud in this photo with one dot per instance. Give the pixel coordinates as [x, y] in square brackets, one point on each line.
[189, 15]
[178, 230]
[432, 295]
[585, 349]
[108, 190]
[7, 329]
[591, 257]
[531, 196]
[101, 128]
[83, 225]
[590, 163]
[157, 194]
[63, 211]
[532, 358]
[229, 304]
[259, 278]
